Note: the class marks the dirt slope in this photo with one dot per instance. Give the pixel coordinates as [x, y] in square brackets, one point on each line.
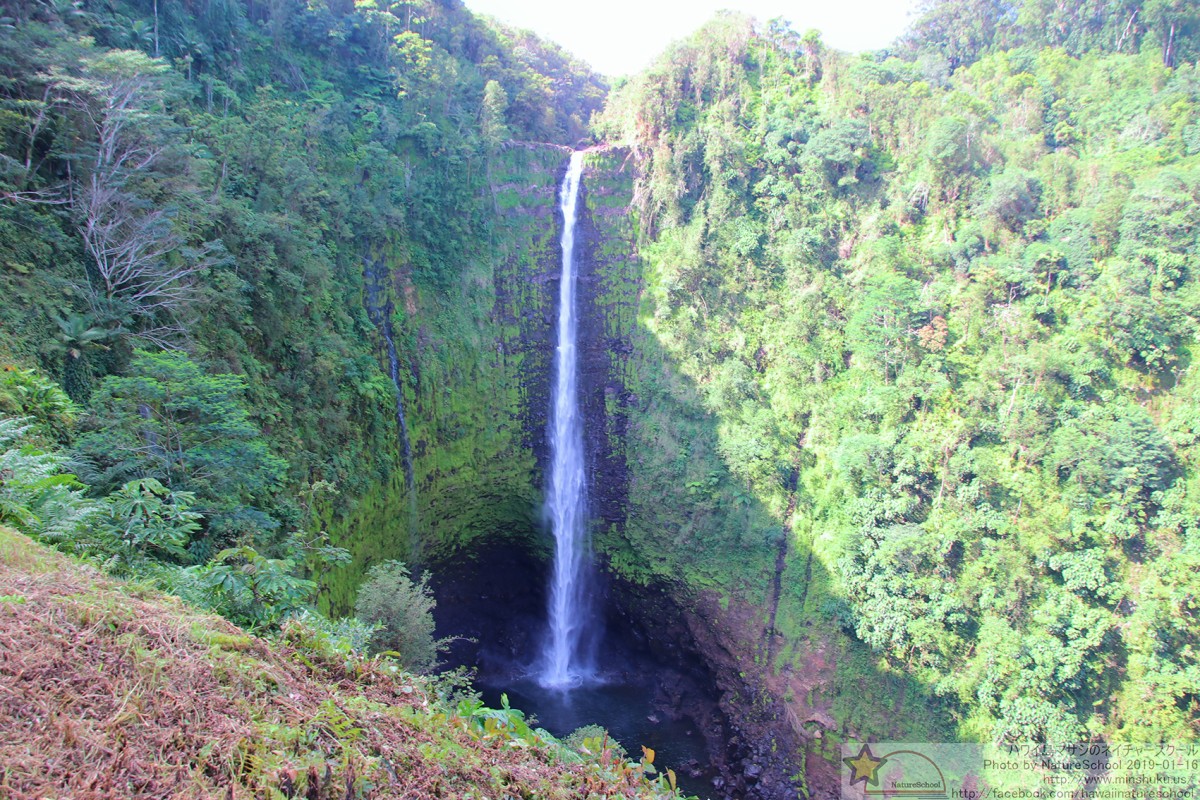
[111, 691]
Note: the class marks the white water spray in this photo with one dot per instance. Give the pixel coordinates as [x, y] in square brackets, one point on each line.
[566, 502]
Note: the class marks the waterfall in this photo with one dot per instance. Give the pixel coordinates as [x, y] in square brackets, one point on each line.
[401, 422]
[566, 502]
[380, 314]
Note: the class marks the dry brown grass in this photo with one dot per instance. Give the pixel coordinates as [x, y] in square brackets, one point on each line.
[111, 692]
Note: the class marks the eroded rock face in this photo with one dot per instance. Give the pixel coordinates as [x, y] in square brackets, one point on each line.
[757, 753]
[606, 261]
[493, 600]
[716, 645]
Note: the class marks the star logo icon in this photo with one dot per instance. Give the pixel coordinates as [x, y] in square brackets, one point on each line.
[865, 767]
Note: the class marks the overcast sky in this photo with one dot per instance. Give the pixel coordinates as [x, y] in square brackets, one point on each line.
[619, 37]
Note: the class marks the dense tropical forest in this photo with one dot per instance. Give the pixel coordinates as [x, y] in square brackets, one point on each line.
[942, 305]
[892, 391]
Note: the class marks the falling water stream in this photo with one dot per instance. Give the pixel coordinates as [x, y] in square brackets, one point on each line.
[571, 683]
[379, 311]
[563, 664]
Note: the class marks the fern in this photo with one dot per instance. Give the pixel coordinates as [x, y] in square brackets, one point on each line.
[37, 496]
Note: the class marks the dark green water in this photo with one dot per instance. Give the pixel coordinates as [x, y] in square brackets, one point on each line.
[626, 711]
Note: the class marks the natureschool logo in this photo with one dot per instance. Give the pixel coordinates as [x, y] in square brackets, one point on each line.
[1077, 771]
[900, 771]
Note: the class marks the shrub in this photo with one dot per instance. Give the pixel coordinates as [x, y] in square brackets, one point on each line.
[404, 609]
[339, 642]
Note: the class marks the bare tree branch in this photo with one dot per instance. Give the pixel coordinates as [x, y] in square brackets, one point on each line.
[139, 260]
[44, 197]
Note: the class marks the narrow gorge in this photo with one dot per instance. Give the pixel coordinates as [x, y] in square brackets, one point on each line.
[668, 655]
[769, 400]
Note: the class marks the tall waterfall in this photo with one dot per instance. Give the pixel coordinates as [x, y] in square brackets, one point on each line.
[380, 313]
[566, 503]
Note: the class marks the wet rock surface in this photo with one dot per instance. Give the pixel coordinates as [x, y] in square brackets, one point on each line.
[493, 603]
[684, 675]
[756, 754]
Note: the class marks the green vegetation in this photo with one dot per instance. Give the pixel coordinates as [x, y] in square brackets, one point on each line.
[169, 420]
[202, 709]
[923, 323]
[403, 611]
[900, 399]
[215, 182]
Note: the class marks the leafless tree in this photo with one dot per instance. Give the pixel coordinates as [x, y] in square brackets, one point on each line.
[140, 264]
[131, 245]
[45, 197]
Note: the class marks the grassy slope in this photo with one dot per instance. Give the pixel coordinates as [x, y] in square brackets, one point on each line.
[112, 690]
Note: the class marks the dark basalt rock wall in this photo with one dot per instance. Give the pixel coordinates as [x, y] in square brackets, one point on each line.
[493, 601]
[528, 303]
[526, 297]
[756, 752]
[605, 254]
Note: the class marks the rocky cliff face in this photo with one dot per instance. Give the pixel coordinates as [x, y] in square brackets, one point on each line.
[609, 278]
[474, 373]
[709, 635]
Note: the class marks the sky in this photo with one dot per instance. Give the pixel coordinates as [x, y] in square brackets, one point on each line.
[620, 37]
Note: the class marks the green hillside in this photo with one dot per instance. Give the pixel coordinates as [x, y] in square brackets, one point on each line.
[937, 326]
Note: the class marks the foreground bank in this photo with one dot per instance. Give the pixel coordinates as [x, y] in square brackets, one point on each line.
[115, 690]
